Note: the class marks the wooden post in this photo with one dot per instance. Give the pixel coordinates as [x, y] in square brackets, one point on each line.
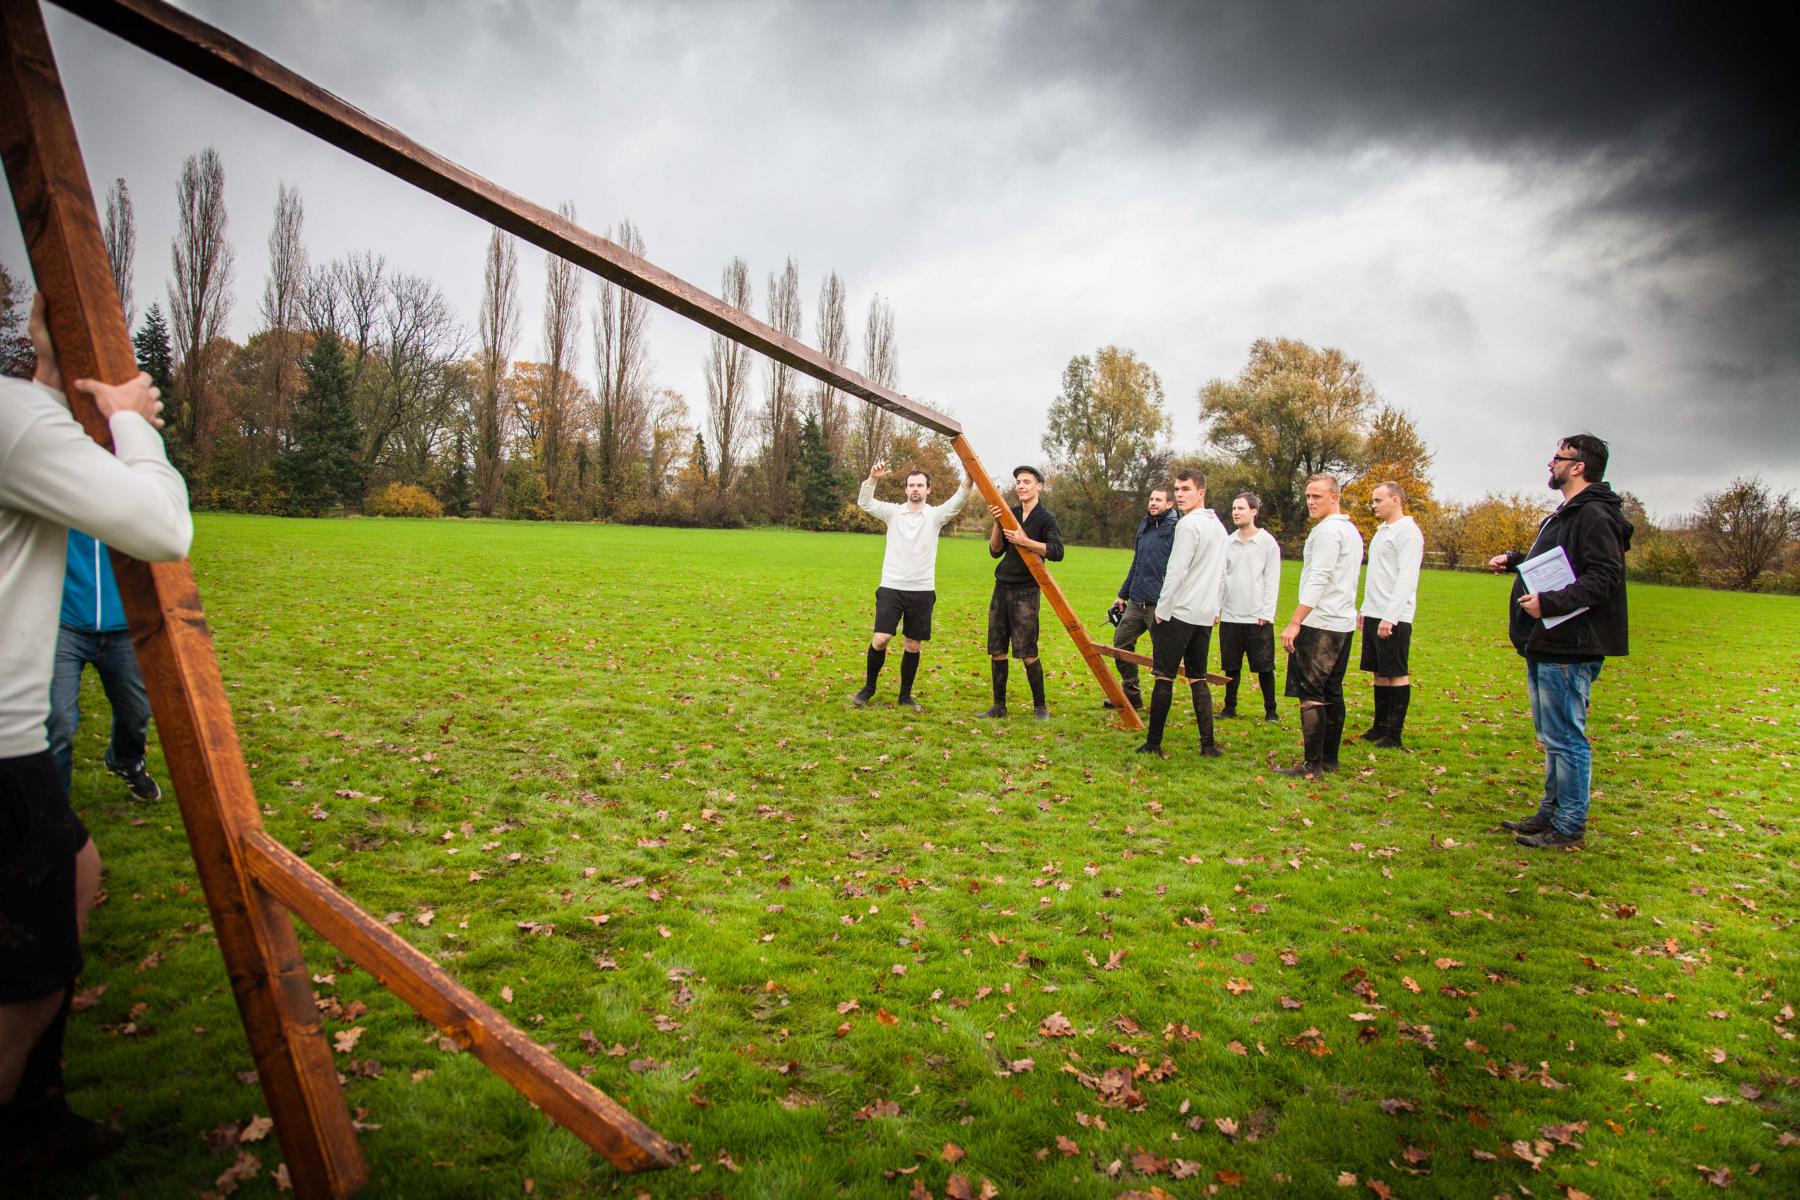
[1109, 683]
[268, 977]
[1144, 660]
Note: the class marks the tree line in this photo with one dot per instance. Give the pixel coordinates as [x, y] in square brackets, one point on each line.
[362, 391]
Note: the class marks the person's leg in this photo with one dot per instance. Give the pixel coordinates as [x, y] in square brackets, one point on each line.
[73, 650]
[999, 640]
[115, 658]
[1231, 664]
[1025, 646]
[1165, 651]
[1262, 661]
[1567, 689]
[909, 669]
[1539, 820]
[1131, 627]
[1378, 728]
[1195, 656]
[887, 621]
[1334, 702]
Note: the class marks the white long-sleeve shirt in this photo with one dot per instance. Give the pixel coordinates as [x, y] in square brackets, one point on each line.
[53, 477]
[1332, 561]
[1195, 576]
[910, 564]
[1391, 587]
[1252, 578]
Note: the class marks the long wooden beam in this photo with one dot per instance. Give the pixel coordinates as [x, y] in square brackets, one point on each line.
[1059, 603]
[174, 647]
[474, 1025]
[223, 61]
[1144, 660]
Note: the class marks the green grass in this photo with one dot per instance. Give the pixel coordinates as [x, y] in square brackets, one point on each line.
[506, 723]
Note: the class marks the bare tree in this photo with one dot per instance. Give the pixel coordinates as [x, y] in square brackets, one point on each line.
[1745, 527]
[881, 363]
[346, 297]
[121, 245]
[283, 308]
[834, 343]
[416, 337]
[621, 355]
[499, 333]
[200, 294]
[727, 371]
[781, 426]
[562, 317]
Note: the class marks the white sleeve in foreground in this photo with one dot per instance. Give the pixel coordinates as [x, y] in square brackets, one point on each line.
[133, 501]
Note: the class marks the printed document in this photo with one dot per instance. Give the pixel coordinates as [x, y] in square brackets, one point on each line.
[1548, 572]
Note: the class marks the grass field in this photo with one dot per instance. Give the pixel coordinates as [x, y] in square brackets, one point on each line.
[609, 778]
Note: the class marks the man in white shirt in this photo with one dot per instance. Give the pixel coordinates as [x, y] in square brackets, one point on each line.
[53, 476]
[908, 590]
[1390, 595]
[1186, 610]
[1247, 618]
[1318, 636]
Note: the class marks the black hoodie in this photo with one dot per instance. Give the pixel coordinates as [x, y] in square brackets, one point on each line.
[1592, 530]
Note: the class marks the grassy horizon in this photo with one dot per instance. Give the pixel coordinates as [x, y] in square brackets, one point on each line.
[608, 777]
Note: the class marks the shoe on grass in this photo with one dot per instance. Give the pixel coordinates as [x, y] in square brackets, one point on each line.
[908, 703]
[1155, 751]
[1535, 823]
[998, 710]
[56, 1140]
[1269, 716]
[1302, 770]
[1209, 750]
[1550, 839]
[137, 779]
[1226, 714]
[1041, 713]
[862, 697]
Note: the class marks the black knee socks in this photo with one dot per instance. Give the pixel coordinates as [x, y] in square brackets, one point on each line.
[1203, 713]
[876, 659]
[1034, 672]
[909, 669]
[1383, 697]
[41, 1079]
[1313, 720]
[1334, 731]
[1266, 681]
[1231, 690]
[1160, 697]
[998, 666]
[1398, 700]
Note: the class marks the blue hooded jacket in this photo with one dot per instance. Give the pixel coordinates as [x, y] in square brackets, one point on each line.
[90, 596]
[1155, 535]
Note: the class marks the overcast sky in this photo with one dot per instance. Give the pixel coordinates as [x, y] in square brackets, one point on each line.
[1523, 219]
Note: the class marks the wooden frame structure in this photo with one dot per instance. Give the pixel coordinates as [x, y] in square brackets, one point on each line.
[254, 886]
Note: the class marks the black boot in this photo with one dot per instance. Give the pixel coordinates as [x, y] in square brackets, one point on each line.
[1312, 734]
[998, 667]
[1334, 733]
[1160, 697]
[1376, 732]
[909, 670]
[1203, 717]
[1034, 675]
[1398, 702]
[37, 1130]
[1266, 681]
[1231, 690]
[872, 672]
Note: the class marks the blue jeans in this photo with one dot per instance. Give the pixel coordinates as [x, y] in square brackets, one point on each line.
[1559, 708]
[116, 661]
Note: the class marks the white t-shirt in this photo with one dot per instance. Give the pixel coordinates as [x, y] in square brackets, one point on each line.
[1195, 576]
[1391, 587]
[1333, 559]
[53, 477]
[1252, 578]
[910, 564]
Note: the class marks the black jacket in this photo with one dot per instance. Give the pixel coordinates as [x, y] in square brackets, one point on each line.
[1040, 526]
[1143, 583]
[1592, 530]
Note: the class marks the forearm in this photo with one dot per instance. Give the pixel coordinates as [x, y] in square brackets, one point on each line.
[135, 502]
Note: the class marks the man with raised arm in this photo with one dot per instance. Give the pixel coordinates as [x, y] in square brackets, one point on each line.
[908, 590]
[1136, 602]
[1013, 609]
[1566, 634]
[1247, 617]
[1318, 636]
[1390, 597]
[1186, 610]
[54, 477]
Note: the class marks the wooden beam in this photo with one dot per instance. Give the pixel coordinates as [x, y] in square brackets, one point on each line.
[174, 647]
[223, 61]
[477, 1027]
[1109, 683]
[1144, 660]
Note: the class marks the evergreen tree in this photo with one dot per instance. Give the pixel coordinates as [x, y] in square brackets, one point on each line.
[155, 356]
[697, 460]
[820, 488]
[323, 470]
[461, 486]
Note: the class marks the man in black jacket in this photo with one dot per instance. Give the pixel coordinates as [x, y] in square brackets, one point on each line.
[1136, 602]
[1566, 635]
[1013, 611]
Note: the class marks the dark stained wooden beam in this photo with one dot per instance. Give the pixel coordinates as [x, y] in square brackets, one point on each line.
[1144, 660]
[257, 79]
[174, 647]
[472, 1024]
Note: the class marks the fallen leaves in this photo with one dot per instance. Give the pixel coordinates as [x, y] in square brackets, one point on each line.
[1056, 1025]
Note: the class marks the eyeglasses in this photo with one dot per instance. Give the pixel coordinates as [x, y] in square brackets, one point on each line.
[1565, 458]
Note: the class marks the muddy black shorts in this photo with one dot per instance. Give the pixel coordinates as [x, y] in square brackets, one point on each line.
[40, 947]
[1013, 620]
[1386, 656]
[1315, 669]
[907, 611]
[1240, 641]
[1175, 645]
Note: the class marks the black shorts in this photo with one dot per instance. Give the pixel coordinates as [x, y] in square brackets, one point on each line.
[1013, 620]
[1316, 668]
[1176, 644]
[1252, 641]
[1386, 656]
[40, 948]
[891, 605]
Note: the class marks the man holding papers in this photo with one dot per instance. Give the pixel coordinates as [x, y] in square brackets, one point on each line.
[1567, 617]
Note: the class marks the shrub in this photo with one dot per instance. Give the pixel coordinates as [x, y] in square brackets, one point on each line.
[402, 500]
